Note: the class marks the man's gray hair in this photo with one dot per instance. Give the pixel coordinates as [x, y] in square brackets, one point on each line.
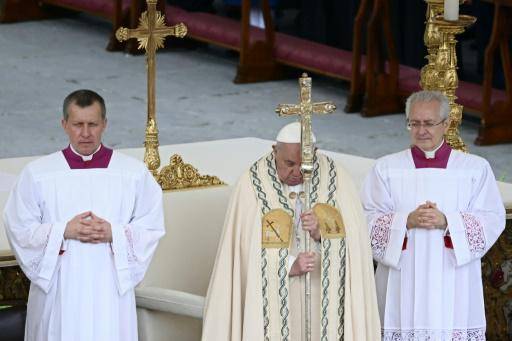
[429, 96]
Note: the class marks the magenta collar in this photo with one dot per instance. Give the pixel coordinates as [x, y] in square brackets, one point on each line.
[100, 159]
[439, 161]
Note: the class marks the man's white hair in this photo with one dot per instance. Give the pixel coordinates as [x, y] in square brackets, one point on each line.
[429, 96]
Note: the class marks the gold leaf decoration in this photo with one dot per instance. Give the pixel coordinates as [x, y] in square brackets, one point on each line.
[179, 175]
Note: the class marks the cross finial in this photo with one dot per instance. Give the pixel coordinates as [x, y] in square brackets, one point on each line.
[151, 34]
[305, 110]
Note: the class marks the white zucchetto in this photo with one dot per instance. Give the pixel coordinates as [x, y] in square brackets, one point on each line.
[290, 133]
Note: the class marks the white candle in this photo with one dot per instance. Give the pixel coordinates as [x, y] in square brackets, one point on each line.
[451, 10]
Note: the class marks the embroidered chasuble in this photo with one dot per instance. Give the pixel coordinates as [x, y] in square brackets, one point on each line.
[83, 291]
[251, 297]
[429, 282]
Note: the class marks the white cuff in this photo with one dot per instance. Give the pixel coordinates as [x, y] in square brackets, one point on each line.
[64, 245]
[291, 260]
[459, 240]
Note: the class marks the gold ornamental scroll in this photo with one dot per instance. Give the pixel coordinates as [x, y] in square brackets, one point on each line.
[179, 175]
[305, 110]
[151, 34]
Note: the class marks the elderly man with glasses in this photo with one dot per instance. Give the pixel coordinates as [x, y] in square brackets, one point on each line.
[432, 212]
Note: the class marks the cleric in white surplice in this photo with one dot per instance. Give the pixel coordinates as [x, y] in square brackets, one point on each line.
[433, 212]
[84, 223]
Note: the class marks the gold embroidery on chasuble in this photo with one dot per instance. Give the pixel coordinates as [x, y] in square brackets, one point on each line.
[330, 221]
[276, 229]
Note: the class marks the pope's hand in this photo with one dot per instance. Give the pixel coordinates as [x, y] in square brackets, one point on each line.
[305, 262]
[310, 223]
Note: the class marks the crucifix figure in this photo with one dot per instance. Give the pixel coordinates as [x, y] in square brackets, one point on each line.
[151, 34]
[305, 110]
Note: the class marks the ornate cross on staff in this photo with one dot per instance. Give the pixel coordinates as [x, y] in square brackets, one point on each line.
[151, 34]
[305, 110]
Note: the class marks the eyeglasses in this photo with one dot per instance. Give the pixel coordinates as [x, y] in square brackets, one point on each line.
[427, 125]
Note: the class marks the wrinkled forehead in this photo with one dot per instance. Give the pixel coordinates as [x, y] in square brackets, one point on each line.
[288, 151]
[425, 111]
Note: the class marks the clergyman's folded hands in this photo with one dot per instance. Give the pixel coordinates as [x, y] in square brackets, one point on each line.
[427, 216]
[88, 228]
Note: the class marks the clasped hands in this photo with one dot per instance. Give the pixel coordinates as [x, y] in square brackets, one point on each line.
[305, 261]
[88, 228]
[427, 216]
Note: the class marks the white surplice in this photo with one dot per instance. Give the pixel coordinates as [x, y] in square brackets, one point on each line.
[86, 292]
[429, 291]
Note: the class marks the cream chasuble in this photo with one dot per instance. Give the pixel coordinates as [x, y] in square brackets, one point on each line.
[251, 296]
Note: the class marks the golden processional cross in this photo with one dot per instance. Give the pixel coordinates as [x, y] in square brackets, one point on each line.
[305, 110]
[151, 34]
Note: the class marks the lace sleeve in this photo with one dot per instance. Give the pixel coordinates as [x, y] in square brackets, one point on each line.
[474, 233]
[379, 236]
[132, 257]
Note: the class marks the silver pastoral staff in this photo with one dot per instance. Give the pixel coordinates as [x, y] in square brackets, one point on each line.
[305, 109]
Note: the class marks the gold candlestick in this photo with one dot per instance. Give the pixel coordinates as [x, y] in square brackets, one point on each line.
[432, 40]
[445, 75]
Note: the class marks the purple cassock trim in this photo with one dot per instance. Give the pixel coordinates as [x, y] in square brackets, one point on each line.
[439, 161]
[100, 159]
